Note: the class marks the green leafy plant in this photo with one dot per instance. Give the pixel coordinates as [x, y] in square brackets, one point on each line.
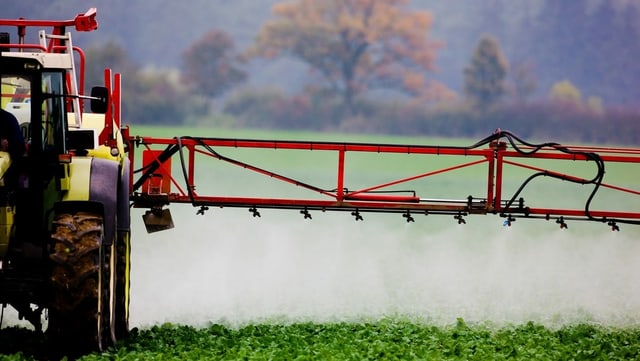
[384, 339]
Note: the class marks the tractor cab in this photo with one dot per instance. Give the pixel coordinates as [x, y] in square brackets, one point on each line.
[37, 94]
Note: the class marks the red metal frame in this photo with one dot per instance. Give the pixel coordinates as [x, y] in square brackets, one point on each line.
[495, 155]
[82, 22]
[112, 117]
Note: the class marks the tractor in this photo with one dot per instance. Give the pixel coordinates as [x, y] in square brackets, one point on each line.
[64, 205]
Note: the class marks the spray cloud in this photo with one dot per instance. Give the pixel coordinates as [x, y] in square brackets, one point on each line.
[229, 268]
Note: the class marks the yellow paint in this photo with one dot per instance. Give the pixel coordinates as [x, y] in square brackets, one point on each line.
[127, 287]
[5, 162]
[65, 181]
[96, 121]
[7, 215]
[79, 179]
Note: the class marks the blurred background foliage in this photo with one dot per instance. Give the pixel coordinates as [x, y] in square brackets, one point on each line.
[554, 69]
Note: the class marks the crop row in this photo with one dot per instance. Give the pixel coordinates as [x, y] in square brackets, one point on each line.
[386, 339]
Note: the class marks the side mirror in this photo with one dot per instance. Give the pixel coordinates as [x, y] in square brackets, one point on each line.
[99, 99]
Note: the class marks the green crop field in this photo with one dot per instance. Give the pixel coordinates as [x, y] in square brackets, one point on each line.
[381, 340]
[226, 285]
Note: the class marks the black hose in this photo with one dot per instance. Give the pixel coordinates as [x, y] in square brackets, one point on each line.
[596, 180]
[184, 172]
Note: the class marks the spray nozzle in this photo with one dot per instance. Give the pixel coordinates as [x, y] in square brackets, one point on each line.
[306, 213]
[509, 221]
[561, 222]
[254, 212]
[408, 217]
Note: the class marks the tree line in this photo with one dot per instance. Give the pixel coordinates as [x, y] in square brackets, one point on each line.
[371, 66]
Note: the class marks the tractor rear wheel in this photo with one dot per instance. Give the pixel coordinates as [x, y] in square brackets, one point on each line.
[122, 294]
[80, 314]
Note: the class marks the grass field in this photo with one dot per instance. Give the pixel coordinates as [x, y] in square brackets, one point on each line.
[229, 286]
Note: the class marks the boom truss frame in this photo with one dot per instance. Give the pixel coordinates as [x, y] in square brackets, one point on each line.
[494, 152]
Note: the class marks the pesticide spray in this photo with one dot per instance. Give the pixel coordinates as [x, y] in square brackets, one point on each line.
[229, 268]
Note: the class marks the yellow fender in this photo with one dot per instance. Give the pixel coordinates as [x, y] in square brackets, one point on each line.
[79, 180]
[96, 179]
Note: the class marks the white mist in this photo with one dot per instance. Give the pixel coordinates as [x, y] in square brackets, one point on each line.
[227, 267]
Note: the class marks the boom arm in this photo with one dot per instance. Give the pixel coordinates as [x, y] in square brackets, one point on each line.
[154, 185]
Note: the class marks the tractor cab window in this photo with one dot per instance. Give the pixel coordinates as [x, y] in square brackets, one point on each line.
[16, 96]
[19, 95]
[53, 112]
[15, 100]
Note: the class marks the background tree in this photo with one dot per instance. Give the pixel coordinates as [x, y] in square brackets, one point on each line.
[484, 78]
[211, 65]
[523, 80]
[596, 44]
[156, 97]
[565, 92]
[110, 55]
[354, 45]
[151, 96]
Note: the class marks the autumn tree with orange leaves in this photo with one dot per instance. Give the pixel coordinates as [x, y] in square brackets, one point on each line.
[354, 45]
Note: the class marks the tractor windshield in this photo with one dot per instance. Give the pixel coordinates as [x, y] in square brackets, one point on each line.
[17, 95]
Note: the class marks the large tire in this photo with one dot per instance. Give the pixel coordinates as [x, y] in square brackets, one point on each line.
[80, 314]
[123, 285]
